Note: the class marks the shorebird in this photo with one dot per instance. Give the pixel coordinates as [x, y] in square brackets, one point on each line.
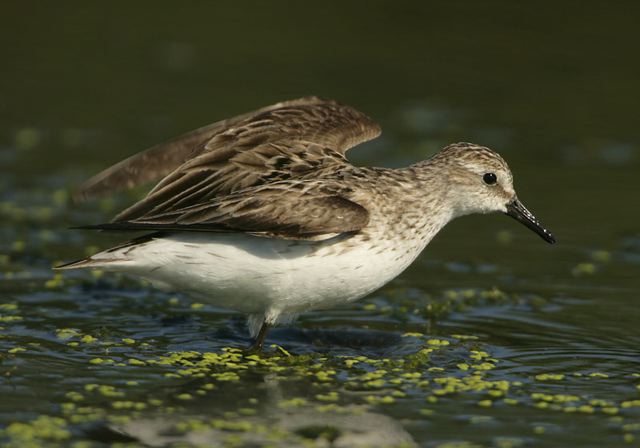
[263, 214]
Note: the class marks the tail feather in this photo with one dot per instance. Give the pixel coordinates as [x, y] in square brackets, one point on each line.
[110, 256]
[88, 262]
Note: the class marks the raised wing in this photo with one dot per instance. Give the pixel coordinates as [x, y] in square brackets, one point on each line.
[287, 209]
[275, 143]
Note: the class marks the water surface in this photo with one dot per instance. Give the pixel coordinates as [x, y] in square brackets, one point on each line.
[491, 338]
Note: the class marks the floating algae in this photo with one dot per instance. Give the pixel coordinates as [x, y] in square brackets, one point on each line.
[334, 385]
[125, 359]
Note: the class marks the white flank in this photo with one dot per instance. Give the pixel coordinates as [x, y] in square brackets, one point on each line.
[265, 276]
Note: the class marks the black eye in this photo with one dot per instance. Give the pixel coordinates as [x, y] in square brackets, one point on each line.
[489, 178]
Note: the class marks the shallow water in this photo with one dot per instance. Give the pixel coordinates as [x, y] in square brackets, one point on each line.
[491, 338]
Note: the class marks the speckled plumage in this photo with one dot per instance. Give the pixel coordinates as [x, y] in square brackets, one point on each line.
[263, 213]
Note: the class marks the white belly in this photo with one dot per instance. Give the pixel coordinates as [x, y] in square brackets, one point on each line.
[262, 275]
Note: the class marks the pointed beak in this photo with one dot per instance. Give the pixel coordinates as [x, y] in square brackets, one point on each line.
[516, 210]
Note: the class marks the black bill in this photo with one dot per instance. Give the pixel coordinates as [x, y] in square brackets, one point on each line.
[516, 210]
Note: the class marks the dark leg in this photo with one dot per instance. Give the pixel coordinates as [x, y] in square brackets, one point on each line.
[259, 342]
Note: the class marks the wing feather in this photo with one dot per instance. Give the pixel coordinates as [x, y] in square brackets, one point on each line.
[284, 209]
[229, 176]
[314, 120]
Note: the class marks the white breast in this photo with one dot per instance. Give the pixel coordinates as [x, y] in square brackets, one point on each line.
[262, 275]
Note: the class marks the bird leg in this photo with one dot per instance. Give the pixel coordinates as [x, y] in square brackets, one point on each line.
[262, 334]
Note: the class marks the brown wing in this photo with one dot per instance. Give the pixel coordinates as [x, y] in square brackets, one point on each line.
[286, 209]
[278, 142]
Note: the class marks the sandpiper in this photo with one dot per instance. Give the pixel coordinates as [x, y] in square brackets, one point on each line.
[263, 214]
